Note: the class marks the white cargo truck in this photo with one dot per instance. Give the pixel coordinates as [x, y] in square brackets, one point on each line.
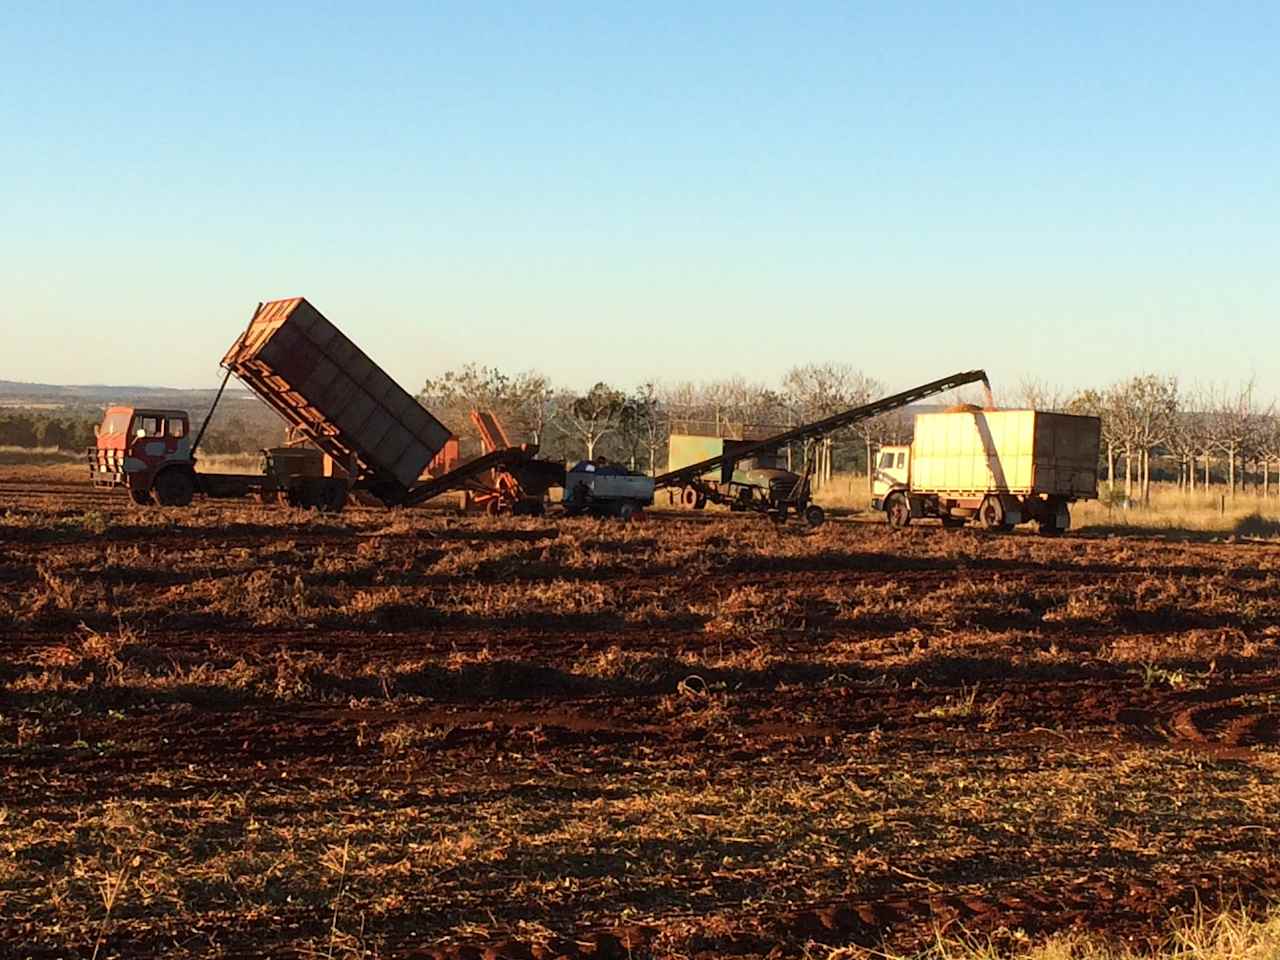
[998, 468]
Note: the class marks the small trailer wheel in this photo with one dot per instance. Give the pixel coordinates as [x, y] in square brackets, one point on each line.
[814, 515]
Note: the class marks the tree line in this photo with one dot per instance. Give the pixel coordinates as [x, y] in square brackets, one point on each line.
[75, 432]
[1195, 436]
[36, 428]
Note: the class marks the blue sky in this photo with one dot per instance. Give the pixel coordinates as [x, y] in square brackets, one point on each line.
[1071, 192]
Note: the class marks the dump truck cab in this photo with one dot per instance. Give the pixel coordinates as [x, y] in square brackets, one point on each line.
[137, 445]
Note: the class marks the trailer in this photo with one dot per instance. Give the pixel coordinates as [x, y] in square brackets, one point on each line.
[332, 396]
[763, 471]
[998, 468]
[786, 494]
[606, 489]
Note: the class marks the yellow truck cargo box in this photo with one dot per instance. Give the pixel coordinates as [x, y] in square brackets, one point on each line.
[686, 449]
[1006, 451]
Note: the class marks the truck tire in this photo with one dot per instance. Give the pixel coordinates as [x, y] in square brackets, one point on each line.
[991, 514]
[626, 512]
[333, 497]
[897, 510]
[142, 498]
[814, 515]
[175, 488]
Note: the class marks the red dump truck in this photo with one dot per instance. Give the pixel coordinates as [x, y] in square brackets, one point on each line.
[332, 396]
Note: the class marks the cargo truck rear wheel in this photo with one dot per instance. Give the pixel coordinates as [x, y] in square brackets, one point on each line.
[897, 510]
[175, 488]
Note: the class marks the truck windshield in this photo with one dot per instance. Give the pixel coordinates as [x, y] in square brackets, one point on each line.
[116, 423]
[886, 461]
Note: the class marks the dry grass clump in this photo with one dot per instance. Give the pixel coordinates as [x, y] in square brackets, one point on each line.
[1229, 935]
[1215, 511]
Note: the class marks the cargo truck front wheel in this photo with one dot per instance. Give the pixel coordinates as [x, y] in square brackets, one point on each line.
[897, 510]
[991, 514]
[175, 488]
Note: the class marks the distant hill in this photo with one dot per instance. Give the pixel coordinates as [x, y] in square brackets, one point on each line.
[14, 393]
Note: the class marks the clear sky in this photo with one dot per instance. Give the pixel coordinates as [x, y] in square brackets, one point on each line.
[1073, 192]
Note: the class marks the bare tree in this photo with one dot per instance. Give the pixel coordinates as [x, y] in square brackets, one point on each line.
[533, 400]
[1235, 422]
[818, 390]
[1035, 394]
[594, 415]
[643, 425]
[523, 403]
[1153, 409]
[1269, 450]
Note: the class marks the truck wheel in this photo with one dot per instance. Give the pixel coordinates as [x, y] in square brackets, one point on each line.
[814, 515]
[626, 512]
[897, 510]
[991, 513]
[175, 488]
[142, 498]
[333, 497]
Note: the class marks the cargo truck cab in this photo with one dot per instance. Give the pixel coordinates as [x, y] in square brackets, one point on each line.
[892, 472]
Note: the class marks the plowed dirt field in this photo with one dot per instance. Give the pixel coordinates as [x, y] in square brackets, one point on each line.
[238, 731]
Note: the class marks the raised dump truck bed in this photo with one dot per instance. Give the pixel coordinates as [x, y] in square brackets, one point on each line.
[329, 390]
